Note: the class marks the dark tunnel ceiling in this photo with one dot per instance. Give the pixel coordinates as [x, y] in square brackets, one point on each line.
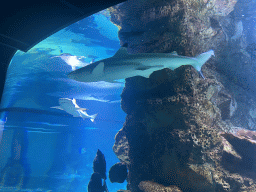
[25, 23]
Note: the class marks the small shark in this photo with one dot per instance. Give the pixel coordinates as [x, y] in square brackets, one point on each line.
[70, 106]
[123, 65]
[73, 61]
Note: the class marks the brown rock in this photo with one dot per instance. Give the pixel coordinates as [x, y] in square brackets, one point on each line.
[149, 186]
[174, 117]
[243, 151]
[120, 147]
[165, 26]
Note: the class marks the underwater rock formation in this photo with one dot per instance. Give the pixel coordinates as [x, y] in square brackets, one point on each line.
[149, 186]
[172, 133]
[118, 173]
[235, 55]
[191, 27]
[99, 164]
[170, 127]
[95, 183]
[121, 147]
[185, 26]
[179, 128]
[242, 154]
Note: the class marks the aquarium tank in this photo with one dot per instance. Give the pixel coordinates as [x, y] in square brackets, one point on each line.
[145, 96]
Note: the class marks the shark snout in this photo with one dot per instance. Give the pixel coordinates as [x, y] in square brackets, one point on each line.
[72, 75]
[80, 75]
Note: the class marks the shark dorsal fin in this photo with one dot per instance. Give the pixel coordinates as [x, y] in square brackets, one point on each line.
[74, 101]
[99, 69]
[174, 53]
[121, 52]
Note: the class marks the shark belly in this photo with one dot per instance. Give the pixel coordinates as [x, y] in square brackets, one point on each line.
[117, 72]
[71, 111]
[144, 67]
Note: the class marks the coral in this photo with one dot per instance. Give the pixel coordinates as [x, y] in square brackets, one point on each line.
[149, 186]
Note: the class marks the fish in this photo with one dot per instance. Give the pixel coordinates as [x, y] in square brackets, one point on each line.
[123, 65]
[70, 106]
[99, 164]
[82, 150]
[95, 183]
[73, 61]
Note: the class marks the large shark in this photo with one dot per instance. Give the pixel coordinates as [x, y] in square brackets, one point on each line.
[123, 65]
[70, 106]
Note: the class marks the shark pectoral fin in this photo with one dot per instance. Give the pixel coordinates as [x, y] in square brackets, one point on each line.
[79, 115]
[200, 72]
[57, 107]
[81, 109]
[121, 52]
[99, 69]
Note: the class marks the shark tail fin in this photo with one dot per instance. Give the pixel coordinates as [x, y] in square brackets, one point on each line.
[93, 117]
[202, 58]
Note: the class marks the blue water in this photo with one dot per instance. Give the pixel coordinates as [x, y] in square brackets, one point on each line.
[57, 149]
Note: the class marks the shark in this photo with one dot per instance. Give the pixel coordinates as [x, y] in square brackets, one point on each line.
[124, 65]
[71, 107]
